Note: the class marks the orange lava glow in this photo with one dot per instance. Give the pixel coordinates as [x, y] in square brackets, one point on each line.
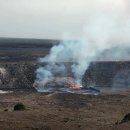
[74, 87]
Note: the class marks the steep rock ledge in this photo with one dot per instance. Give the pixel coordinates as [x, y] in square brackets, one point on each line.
[17, 75]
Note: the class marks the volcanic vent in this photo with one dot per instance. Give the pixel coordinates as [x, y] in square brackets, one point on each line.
[64, 67]
[65, 85]
[62, 70]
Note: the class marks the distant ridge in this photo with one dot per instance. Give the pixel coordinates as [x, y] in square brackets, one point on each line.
[8, 40]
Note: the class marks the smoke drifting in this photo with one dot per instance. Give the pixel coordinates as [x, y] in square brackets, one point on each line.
[107, 27]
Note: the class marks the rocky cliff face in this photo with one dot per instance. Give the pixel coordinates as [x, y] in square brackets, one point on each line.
[108, 74]
[17, 76]
[102, 74]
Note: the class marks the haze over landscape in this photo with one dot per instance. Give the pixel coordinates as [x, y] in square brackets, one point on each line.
[49, 19]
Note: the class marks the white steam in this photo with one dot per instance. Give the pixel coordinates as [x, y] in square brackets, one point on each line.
[107, 27]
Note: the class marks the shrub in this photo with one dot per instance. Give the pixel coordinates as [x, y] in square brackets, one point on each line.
[47, 128]
[126, 118]
[19, 107]
[79, 126]
[66, 120]
[6, 110]
[42, 128]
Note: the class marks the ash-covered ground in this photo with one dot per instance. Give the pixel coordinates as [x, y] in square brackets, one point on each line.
[55, 111]
[60, 111]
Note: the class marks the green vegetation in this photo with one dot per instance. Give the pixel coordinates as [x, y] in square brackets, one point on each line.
[66, 120]
[19, 107]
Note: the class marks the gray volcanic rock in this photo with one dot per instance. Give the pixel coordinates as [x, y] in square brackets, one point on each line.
[108, 74]
[17, 76]
[100, 74]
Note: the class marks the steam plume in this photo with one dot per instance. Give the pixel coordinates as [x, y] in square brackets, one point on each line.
[106, 29]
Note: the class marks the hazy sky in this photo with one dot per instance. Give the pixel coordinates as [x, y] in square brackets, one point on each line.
[53, 18]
